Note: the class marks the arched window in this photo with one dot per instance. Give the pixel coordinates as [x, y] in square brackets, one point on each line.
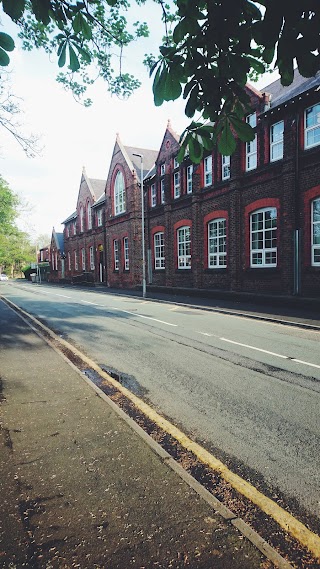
[263, 233]
[119, 194]
[315, 233]
[217, 243]
[89, 215]
[81, 219]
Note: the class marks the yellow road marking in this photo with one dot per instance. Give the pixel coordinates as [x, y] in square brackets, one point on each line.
[287, 521]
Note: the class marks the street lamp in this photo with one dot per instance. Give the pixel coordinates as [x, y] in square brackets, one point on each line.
[144, 287]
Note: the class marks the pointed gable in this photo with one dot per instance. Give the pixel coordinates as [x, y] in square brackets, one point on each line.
[170, 145]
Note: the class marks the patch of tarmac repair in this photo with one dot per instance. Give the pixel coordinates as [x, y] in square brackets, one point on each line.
[128, 381]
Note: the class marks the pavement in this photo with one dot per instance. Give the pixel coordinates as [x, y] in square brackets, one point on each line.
[82, 487]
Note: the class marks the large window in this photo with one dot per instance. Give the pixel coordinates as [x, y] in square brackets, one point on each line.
[99, 217]
[153, 195]
[251, 147]
[315, 236]
[217, 243]
[159, 260]
[69, 261]
[76, 266]
[208, 171]
[83, 259]
[263, 230]
[184, 248]
[189, 178]
[225, 167]
[162, 191]
[91, 257]
[162, 169]
[116, 255]
[119, 194]
[312, 126]
[89, 216]
[126, 253]
[176, 184]
[81, 219]
[276, 141]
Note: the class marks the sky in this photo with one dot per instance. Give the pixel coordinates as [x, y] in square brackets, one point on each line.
[72, 136]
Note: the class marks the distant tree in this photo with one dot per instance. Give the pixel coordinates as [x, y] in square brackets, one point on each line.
[214, 47]
[15, 245]
[42, 240]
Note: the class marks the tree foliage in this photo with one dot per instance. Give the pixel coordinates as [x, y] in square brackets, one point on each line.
[207, 58]
[215, 46]
[15, 246]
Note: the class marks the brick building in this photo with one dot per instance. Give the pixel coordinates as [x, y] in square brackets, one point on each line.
[246, 223]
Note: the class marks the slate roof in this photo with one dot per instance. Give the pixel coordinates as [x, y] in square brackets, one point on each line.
[149, 158]
[70, 218]
[280, 94]
[98, 187]
[100, 201]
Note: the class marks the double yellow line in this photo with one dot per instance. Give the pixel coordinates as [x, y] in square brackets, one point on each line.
[287, 522]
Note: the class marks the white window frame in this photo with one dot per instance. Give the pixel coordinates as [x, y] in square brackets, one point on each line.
[162, 169]
[189, 178]
[175, 163]
[69, 261]
[81, 219]
[207, 167]
[162, 191]
[116, 254]
[314, 127]
[99, 217]
[76, 266]
[251, 146]
[126, 253]
[176, 185]
[315, 227]
[119, 194]
[184, 247]
[89, 215]
[225, 167]
[217, 243]
[276, 142]
[264, 229]
[67, 231]
[52, 260]
[153, 194]
[83, 259]
[91, 257]
[158, 244]
[74, 228]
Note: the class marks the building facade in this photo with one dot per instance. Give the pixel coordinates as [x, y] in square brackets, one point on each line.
[249, 222]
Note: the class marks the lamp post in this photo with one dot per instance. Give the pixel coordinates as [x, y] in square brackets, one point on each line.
[144, 286]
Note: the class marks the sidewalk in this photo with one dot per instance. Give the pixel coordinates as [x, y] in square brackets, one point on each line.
[80, 488]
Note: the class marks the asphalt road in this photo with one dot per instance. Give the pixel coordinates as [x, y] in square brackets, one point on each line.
[248, 390]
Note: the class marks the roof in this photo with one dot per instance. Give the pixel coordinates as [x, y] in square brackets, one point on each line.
[70, 218]
[60, 241]
[100, 201]
[280, 94]
[98, 187]
[151, 173]
[149, 158]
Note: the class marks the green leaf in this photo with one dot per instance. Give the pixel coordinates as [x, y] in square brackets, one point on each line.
[41, 10]
[14, 9]
[226, 143]
[244, 131]
[76, 22]
[80, 24]
[172, 87]
[195, 150]
[308, 64]
[84, 53]
[191, 105]
[73, 59]
[4, 58]
[6, 42]
[159, 85]
[268, 54]
[62, 54]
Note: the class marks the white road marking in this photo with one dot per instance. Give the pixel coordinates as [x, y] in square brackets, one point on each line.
[63, 295]
[210, 335]
[305, 363]
[254, 348]
[88, 302]
[148, 318]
